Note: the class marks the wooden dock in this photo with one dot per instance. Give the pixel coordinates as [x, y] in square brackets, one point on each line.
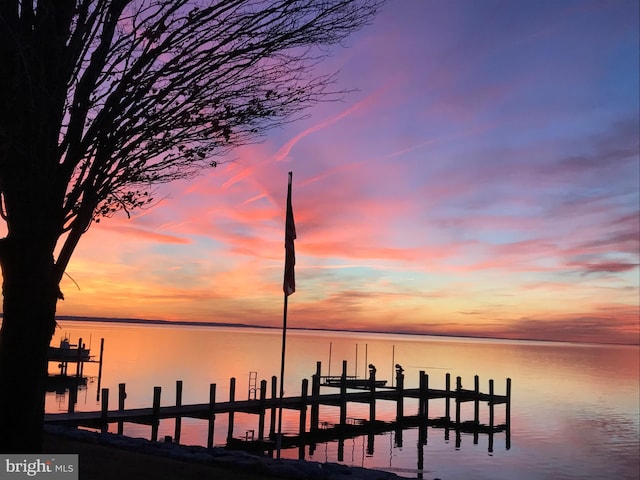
[307, 402]
[68, 352]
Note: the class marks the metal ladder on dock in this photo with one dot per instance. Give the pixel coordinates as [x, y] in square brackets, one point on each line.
[253, 385]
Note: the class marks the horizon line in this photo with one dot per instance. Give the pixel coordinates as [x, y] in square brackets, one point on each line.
[192, 323]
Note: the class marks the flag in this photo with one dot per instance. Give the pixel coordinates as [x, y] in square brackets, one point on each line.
[289, 285]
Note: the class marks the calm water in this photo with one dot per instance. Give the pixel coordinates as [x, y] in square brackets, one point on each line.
[575, 407]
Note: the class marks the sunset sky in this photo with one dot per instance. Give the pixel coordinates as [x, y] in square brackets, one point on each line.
[482, 180]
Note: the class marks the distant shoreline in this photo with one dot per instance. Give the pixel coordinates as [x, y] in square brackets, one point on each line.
[145, 321]
[191, 323]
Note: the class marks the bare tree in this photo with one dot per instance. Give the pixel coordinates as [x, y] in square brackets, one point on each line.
[99, 100]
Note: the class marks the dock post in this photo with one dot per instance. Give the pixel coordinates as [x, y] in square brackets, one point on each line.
[263, 399]
[423, 403]
[178, 428]
[122, 395]
[491, 404]
[458, 393]
[491, 419]
[447, 407]
[476, 400]
[400, 393]
[423, 395]
[426, 396]
[343, 394]
[315, 392]
[232, 397]
[422, 425]
[100, 368]
[105, 409]
[274, 396]
[476, 407]
[79, 359]
[458, 401]
[508, 404]
[83, 345]
[508, 414]
[303, 413]
[372, 393]
[212, 415]
[156, 413]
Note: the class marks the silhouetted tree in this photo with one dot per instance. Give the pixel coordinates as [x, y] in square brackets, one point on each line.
[100, 99]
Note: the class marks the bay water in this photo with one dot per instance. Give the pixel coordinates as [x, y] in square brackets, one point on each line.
[575, 408]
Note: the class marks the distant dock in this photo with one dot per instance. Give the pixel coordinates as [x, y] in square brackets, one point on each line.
[69, 353]
[368, 391]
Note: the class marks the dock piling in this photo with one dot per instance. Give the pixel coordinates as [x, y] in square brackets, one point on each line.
[372, 390]
[315, 392]
[447, 410]
[476, 401]
[105, 409]
[122, 395]
[491, 415]
[508, 414]
[79, 359]
[232, 397]
[458, 394]
[421, 394]
[426, 397]
[178, 427]
[303, 406]
[100, 368]
[508, 394]
[263, 399]
[343, 394]
[400, 393]
[274, 396]
[211, 414]
[156, 413]
[422, 400]
[491, 404]
[476, 407]
[458, 402]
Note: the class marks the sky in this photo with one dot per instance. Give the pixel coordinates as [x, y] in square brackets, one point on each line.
[482, 179]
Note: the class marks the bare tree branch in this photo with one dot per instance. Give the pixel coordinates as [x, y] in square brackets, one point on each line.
[157, 90]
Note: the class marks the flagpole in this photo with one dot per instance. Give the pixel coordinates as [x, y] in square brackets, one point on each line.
[284, 345]
[288, 286]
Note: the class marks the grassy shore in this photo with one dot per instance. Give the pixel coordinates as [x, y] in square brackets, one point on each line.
[110, 457]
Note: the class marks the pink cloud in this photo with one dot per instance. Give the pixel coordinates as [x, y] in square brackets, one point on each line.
[146, 235]
[610, 267]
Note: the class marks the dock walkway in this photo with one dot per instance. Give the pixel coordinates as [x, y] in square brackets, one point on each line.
[260, 406]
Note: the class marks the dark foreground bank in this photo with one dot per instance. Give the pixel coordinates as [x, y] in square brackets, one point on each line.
[109, 457]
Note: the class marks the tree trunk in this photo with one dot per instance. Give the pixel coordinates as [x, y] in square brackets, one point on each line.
[30, 296]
